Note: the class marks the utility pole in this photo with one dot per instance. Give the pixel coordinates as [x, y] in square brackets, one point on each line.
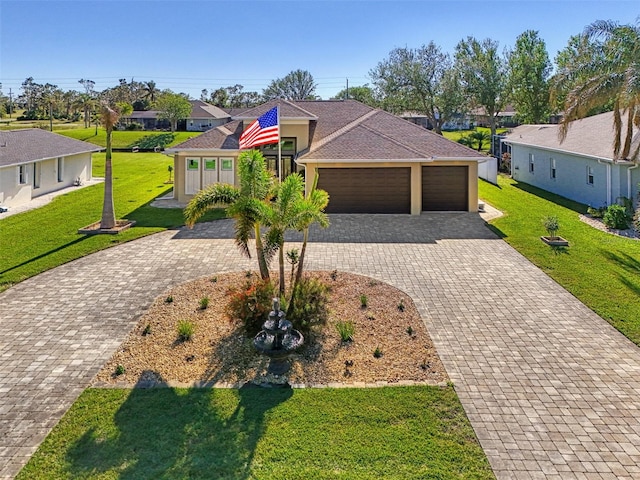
[10, 101]
[347, 89]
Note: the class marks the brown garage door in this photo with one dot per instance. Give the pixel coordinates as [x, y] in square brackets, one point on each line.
[367, 190]
[445, 188]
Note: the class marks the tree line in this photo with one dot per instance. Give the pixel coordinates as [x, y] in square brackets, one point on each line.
[597, 71]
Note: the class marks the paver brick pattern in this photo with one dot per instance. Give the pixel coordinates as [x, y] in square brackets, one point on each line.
[551, 389]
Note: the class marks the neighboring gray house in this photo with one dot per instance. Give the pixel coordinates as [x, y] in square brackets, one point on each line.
[34, 162]
[203, 117]
[582, 167]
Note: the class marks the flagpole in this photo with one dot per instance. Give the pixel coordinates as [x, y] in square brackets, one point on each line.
[279, 148]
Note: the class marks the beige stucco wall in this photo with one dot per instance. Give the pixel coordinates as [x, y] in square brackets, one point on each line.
[416, 177]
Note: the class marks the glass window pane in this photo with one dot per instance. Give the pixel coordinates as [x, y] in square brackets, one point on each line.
[210, 163]
[193, 163]
[227, 163]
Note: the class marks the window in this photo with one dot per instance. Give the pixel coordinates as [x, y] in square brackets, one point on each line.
[288, 144]
[227, 164]
[531, 163]
[22, 174]
[36, 174]
[193, 164]
[210, 164]
[60, 167]
[552, 165]
[589, 175]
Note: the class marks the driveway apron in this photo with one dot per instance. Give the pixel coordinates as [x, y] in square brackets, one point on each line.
[551, 389]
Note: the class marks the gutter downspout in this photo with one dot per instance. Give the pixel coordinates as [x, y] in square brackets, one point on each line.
[629, 189]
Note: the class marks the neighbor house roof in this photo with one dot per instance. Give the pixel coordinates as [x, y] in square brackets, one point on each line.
[343, 129]
[33, 144]
[592, 136]
[199, 109]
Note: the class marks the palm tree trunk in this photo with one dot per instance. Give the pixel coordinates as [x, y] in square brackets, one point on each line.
[294, 287]
[108, 212]
[281, 265]
[262, 262]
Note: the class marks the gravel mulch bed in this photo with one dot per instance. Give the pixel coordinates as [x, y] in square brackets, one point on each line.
[219, 352]
[599, 224]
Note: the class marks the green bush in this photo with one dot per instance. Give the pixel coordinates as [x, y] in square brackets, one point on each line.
[551, 225]
[251, 304]
[346, 330]
[185, 330]
[309, 306]
[617, 217]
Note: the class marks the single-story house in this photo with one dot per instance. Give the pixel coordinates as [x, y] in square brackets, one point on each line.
[34, 162]
[582, 167]
[204, 116]
[368, 160]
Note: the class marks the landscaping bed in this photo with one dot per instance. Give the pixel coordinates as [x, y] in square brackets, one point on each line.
[390, 342]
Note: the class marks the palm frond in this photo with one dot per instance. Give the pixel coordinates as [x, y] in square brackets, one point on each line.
[213, 196]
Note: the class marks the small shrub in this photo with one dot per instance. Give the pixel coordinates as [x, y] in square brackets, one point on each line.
[214, 279]
[169, 299]
[120, 370]
[204, 303]
[377, 353]
[309, 306]
[147, 330]
[185, 330]
[334, 275]
[248, 274]
[370, 316]
[551, 225]
[596, 212]
[401, 306]
[363, 301]
[616, 217]
[409, 330]
[346, 331]
[251, 304]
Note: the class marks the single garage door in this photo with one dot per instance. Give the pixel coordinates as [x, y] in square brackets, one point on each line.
[445, 188]
[367, 190]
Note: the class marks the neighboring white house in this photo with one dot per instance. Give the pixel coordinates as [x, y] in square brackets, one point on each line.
[34, 162]
[582, 167]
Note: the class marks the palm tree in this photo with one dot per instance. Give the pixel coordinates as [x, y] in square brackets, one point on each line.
[248, 204]
[283, 216]
[610, 71]
[480, 137]
[150, 91]
[109, 117]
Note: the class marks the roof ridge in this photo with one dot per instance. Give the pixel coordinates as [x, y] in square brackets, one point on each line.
[224, 129]
[393, 140]
[341, 131]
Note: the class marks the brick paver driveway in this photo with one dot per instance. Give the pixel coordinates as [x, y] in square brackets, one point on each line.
[551, 389]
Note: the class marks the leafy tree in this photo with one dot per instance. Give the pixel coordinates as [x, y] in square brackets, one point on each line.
[109, 118]
[173, 107]
[418, 80]
[248, 205]
[604, 67]
[362, 94]
[483, 75]
[296, 85]
[529, 71]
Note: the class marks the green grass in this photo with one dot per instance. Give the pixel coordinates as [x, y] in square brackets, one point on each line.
[600, 269]
[391, 433]
[41, 239]
[127, 139]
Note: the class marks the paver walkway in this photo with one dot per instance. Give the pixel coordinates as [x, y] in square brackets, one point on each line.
[551, 389]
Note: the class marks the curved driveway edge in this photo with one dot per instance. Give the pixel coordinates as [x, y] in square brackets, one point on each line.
[551, 389]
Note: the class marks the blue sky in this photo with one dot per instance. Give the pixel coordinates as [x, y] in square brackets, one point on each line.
[190, 45]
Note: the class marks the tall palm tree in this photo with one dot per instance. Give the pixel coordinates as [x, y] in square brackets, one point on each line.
[150, 91]
[109, 117]
[248, 204]
[611, 70]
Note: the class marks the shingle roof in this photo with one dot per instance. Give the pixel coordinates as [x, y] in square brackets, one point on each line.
[343, 129]
[33, 144]
[200, 109]
[591, 136]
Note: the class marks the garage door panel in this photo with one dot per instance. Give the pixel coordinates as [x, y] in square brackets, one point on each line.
[445, 188]
[367, 190]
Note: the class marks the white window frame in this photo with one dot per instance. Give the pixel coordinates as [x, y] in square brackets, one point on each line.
[590, 176]
[22, 174]
[60, 169]
[37, 172]
[531, 163]
[552, 168]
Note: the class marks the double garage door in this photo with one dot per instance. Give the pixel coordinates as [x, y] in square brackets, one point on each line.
[388, 190]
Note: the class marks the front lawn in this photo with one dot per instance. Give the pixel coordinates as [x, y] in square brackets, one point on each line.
[600, 269]
[145, 140]
[40, 239]
[393, 433]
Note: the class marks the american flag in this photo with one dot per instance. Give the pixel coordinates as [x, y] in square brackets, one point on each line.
[263, 131]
